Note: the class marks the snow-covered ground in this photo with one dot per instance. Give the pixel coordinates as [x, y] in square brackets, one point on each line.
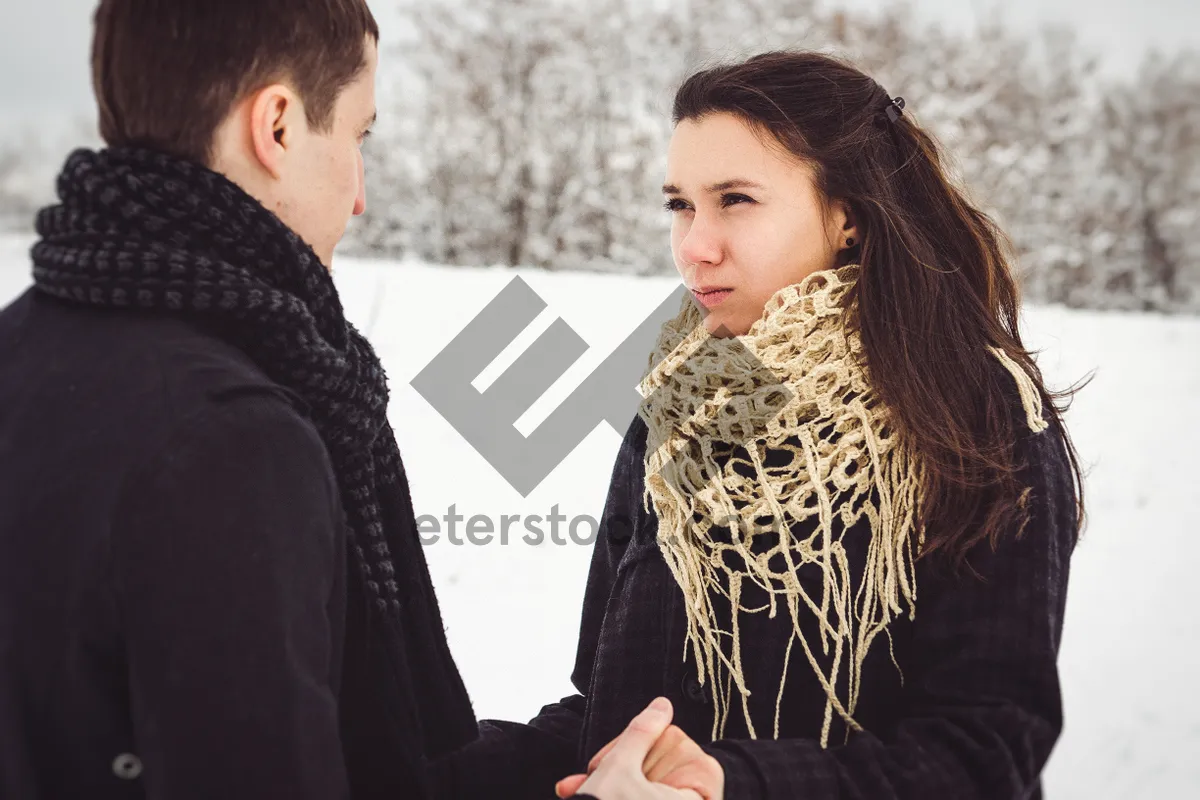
[1131, 651]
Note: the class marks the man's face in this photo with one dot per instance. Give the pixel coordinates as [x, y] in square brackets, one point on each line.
[324, 183]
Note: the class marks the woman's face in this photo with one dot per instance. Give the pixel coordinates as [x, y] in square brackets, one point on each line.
[748, 220]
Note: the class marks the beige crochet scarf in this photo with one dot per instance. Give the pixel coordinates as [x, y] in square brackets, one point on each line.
[782, 425]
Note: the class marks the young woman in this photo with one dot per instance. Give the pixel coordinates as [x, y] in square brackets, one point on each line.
[837, 536]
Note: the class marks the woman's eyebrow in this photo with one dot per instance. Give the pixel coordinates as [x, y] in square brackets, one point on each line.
[723, 186]
[734, 183]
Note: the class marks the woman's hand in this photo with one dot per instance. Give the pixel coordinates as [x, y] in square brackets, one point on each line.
[664, 759]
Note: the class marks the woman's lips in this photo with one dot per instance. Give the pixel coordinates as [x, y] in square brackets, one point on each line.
[711, 298]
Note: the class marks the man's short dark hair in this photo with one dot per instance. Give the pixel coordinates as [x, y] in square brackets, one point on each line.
[166, 73]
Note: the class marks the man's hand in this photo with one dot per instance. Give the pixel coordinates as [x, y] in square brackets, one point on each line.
[668, 762]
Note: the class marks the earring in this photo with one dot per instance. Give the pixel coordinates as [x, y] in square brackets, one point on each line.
[850, 242]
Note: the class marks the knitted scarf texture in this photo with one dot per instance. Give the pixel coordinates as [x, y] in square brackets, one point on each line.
[138, 231]
[765, 451]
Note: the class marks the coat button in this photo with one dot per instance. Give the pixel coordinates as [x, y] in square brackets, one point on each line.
[127, 766]
[693, 691]
[618, 528]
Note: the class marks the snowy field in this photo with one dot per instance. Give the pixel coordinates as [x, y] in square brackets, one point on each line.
[1131, 651]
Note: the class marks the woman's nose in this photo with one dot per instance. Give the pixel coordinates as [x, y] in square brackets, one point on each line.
[701, 244]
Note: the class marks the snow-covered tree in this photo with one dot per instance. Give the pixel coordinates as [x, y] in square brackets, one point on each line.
[1152, 137]
[19, 197]
[29, 161]
[535, 131]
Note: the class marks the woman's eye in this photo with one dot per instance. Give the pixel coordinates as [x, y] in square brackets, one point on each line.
[728, 200]
[675, 204]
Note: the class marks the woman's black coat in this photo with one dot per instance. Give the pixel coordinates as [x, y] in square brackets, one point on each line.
[975, 717]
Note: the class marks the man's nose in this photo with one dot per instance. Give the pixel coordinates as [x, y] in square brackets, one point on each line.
[360, 202]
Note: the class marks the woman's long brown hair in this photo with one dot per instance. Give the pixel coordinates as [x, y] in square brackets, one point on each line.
[936, 288]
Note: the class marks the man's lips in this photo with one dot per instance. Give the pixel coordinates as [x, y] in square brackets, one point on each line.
[711, 296]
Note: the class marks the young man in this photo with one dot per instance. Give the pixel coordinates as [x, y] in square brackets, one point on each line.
[210, 581]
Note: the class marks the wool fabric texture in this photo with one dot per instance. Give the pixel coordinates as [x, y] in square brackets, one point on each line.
[141, 231]
[764, 452]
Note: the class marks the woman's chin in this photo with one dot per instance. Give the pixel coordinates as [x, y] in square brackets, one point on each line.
[720, 326]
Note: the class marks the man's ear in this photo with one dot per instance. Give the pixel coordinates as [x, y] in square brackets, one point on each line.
[273, 121]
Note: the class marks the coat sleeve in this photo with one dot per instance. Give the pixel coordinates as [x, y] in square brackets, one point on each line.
[984, 700]
[514, 760]
[227, 549]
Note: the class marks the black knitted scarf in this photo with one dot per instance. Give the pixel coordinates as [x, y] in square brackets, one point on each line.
[137, 230]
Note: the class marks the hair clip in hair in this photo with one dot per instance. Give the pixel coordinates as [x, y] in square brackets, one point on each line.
[894, 109]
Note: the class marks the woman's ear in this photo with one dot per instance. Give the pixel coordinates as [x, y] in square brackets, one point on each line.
[850, 227]
[843, 227]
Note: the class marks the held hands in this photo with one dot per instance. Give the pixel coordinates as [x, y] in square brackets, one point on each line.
[650, 760]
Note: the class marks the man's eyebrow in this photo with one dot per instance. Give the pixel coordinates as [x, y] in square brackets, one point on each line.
[723, 186]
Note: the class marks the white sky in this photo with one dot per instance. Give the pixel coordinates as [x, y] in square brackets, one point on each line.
[44, 43]
[1121, 31]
